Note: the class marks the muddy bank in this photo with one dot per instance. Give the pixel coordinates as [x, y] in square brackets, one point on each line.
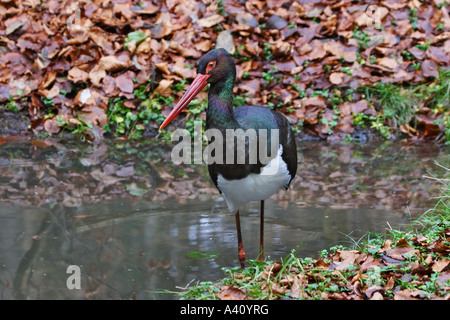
[14, 123]
[18, 124]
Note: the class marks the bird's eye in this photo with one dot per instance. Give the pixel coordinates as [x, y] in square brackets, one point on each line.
[210, 66]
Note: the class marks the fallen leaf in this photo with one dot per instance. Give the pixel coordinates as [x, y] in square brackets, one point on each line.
[389, 63]
[377, 296]
[50, 94]
[210, 21]
[277, 289]
[225, 40]
[104, 177]
[430, 69]
[359, 106]
[82, 216]
[350, 56]
[337, 78]
[51, 126]
[372, 290]
[108, 63]
[124, 83]
[276, 22]
[231, 293]
[348, 257]
[14, 24]
[405, 295]
[164, 88]
[205, 45]
[443, 279]
[440, 265]
[246, 20]
[318, 51]
[77, 75]
[94, 115]
[41, 143]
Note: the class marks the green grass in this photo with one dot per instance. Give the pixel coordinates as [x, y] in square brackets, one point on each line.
[397, 103]
[362, 37]
[267, 51]
[440, 91]
[400, 104]
[123, 121]
[11, 105]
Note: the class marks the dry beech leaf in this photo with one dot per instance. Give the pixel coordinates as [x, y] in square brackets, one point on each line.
[164, 88]
[108, 63]
[337, 77]
[430, 69]
[231, 293]
[95, 115]
[210, 21]
[440, 265]
[124, 83]
[389, 63]
[77, 75]
[51, 126]
[204, 45]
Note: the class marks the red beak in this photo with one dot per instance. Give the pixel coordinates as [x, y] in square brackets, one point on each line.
[197, 85]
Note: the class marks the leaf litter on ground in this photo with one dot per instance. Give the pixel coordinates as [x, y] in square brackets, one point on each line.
[286, 53]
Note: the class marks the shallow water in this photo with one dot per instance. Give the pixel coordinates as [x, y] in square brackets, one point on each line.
[137, 225]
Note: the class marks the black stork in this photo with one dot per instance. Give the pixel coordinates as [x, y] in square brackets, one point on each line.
[248, 181]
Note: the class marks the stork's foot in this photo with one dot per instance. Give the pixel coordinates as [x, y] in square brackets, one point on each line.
[241, 255]
[261, 257]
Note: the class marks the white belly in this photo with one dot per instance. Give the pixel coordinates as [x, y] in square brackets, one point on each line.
[255, 187]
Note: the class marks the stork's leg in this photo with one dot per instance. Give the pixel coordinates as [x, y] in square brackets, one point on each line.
[241, 251]
[261, 233]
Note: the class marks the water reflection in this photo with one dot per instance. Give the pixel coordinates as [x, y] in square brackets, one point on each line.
[123, 213]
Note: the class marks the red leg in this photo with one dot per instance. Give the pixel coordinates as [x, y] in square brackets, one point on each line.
[241, 251]
[261, 233]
